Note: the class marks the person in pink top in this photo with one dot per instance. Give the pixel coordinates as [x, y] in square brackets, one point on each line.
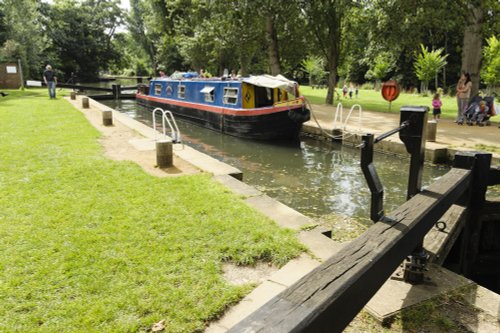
[436, 107]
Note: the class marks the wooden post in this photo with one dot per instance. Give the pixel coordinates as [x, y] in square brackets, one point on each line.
[85, 102]
[72, 95]
[116, 91]
[164, 154]
[474, 199]
[413, 136]
[107, 117]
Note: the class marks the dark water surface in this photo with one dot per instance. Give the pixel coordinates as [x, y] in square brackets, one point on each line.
[315, 178]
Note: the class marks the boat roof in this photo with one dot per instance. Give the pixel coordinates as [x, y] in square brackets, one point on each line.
[269, 81]
[266, 81]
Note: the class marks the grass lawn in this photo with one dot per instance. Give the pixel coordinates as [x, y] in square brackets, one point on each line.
[88, 244]
[372, 100]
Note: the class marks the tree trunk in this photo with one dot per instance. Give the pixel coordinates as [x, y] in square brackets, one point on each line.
[333, 56]
[152, 57]
[332, 82]
[444, 68]
[471, 52]
[273, 48]
[244, 65]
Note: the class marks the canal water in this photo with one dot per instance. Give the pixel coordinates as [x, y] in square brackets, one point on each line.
[321, 180]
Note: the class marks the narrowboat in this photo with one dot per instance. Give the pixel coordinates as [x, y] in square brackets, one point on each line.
[257, 107]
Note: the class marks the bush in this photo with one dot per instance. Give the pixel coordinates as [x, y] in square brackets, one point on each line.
[368, 86]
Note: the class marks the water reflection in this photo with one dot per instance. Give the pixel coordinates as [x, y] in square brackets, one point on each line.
[315, 178]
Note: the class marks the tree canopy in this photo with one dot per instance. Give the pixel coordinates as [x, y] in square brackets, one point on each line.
[353, 40]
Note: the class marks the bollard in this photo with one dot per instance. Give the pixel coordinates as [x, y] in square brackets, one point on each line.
[107, 117]
[85, 102]
[116, 88]
[72, 95]
[431, 131]
[164, 154]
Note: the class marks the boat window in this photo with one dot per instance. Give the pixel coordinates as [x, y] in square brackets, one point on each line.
[209, 93]
[263, 97]
[230, 95]
[181, 92]
[158, 89]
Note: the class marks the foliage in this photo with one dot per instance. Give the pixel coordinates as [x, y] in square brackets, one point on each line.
[325, 20]
[81, 34]
[384, 63]
[428, 64]
[315, 67]
[89, 244]
[491, 63]
[23, 34]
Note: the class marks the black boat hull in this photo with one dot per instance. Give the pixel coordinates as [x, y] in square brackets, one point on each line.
[271, 126]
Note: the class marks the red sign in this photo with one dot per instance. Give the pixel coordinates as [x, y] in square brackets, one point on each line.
[390, 90]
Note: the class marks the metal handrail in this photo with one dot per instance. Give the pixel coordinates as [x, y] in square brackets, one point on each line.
[174, 130]
[176, 133]
[360, 113]
[339, 116]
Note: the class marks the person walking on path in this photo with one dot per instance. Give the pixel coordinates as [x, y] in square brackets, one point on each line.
[50, 79]
[436, 107]
[344, 91]
[464, 87]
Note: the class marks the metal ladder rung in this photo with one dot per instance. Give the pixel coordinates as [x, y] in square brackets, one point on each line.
[167, 118]
[339, 115]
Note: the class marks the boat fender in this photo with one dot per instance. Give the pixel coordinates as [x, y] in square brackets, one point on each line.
[299, 115]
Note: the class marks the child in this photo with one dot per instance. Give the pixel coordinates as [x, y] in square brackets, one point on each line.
[480, 113]
[436, 107]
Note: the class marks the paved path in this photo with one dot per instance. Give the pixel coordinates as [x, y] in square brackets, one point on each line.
[448, 132]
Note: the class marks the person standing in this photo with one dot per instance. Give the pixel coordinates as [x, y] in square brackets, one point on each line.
[464, 87]
[344, 90]
[436, 107]
[50, 79]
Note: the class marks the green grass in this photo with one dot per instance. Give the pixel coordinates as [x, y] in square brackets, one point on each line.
[93, 245]
[372, 100]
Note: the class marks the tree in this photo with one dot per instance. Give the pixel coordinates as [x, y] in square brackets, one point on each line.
[399, 27]
[3, 25]
[427, 66]
[491, 65]
[314, 66]
[382, 66]
[82, 34]
[472, 45]
[23, 35]
[137, 29]
[325, 19]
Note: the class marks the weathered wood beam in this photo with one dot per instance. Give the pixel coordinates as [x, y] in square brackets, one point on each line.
[494, 176]
[438, 243]
[329, 297]
[82, 87]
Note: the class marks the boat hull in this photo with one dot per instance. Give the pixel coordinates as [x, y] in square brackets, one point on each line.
[274, 125]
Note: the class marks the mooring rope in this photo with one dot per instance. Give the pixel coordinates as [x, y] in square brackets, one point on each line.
[334, 137]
